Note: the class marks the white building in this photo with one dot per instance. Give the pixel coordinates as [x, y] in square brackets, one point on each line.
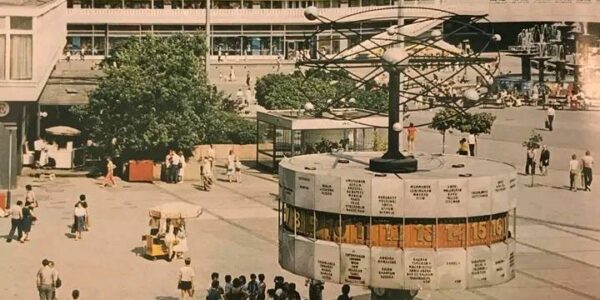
[32, 37]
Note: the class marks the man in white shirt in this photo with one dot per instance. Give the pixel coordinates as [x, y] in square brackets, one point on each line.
[46, 281]
[573, 172]
[551, 113]
[38, 146]
[530, 163]
[175, 166]
[587, 163]
[186, 280]
[472, 141]
[16, 218]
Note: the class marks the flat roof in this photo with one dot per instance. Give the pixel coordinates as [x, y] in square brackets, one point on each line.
[340, 118]
[23, 3]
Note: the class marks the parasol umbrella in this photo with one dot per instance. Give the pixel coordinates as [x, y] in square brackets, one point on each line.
[63, 130]
[176, 210]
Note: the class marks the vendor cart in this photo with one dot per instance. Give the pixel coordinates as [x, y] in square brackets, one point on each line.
[161, 218]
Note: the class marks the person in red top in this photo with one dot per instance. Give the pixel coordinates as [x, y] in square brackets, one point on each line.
[410, 136]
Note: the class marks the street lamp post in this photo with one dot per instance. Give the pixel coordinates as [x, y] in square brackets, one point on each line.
[208, 44]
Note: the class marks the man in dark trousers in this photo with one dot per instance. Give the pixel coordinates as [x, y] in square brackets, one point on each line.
[530, 163]
[587, 163]
[544, 160]
[551, 113]
[16, 219]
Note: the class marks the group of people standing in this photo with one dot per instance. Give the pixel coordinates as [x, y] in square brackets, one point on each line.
[175, 166]
[22, 216]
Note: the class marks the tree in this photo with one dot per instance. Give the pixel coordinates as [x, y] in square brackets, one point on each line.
[442, 121]
[292, 91]
[154, 95]
[476, 124]
[533, 142]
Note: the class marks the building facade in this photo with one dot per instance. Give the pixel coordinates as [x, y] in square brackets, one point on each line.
[32, 36]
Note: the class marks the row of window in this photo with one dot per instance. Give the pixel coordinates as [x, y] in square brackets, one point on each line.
[394, 232]
[17, 46]
[222, 4]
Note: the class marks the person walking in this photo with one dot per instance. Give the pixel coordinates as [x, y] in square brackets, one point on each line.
[16, 218]
[345, 293]
[57, 281]
[238, 170]
[463, 147]
[530, 162]
[79, 214]
[550, 114]
[231, 165]
[573, 172]
[84, 204]
[587, 164]
[315, 289]
[472, 142]
[248, 78]
[30, 199]
[411, 135]
[110, 177]
[544, 160]
[186, 280]
[26, 222]
[46, 281]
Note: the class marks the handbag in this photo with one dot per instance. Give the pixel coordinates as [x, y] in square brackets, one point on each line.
[58, 283]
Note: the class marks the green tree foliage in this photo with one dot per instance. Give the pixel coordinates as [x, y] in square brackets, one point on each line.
[478, 123]
[154, 96]
[292, 91]
[534, 141]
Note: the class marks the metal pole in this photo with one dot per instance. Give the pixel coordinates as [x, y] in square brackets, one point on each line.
[393, 151]
[208, 37]
[401, 45]
[10, 145]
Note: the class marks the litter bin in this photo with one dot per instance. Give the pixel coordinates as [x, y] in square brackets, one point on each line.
[140, 170]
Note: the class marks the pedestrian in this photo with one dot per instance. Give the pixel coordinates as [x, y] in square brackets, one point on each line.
[238, 170]
[262, 287]
[168, 165]
[30, 199]
[472, 141]
[213, 291]
[550, 122]
[544, 160]
[26, 221]
[411, 136]
[463, 148]
[293, 293]
[84, 204]
[244, 284]
[68, 54]
[236, 292]
[315, 289]
[57, 281]
[231, 73]
[278, 62]
[530, 162]
[228, 287]
[82, 53]
[175, 167]
[79, 214]
[252, 287]
[181, 167]
[75, 294]
[186, 280]
[16, 218]
[46, 281]
[587, 164]
[215, 276]
[110, 177]
[345, 293]
[248, 78]
[231, 165]
[573, 172]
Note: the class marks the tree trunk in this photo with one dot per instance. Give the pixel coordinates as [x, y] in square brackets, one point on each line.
[444, 142]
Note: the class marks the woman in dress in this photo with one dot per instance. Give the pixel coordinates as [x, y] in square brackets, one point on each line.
[109, 178]
[231, 165]
[181, 246]
[26, 222]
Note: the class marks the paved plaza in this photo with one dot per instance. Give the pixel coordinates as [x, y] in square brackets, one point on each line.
[558, 234]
